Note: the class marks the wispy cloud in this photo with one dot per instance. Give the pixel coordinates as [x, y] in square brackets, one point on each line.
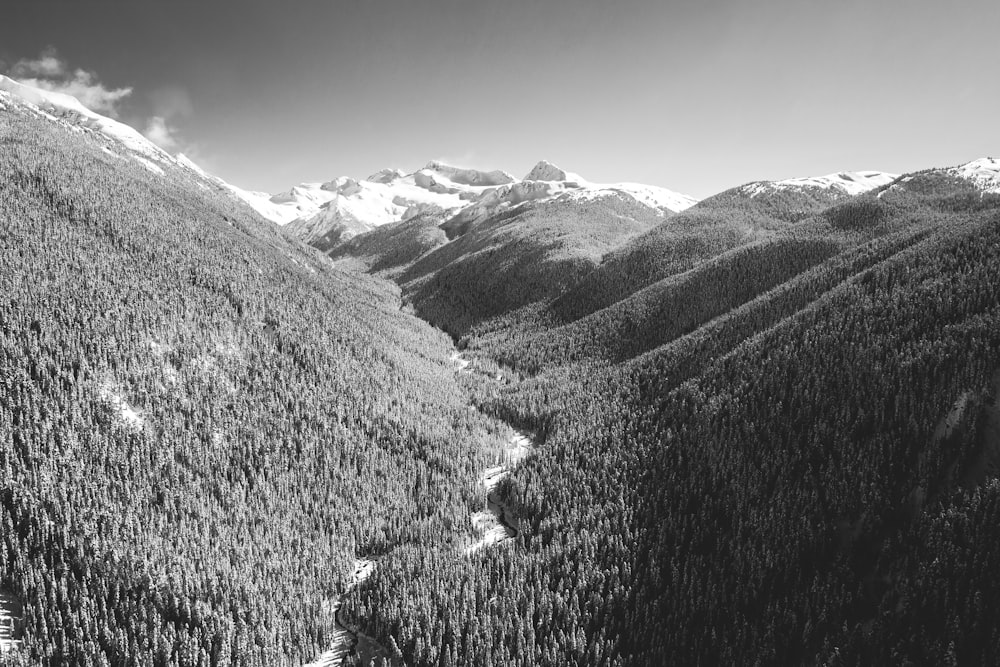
[162, 134]
[50, 72]
[170, 104]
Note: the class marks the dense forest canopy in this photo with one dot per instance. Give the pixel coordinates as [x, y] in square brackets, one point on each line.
[203, 423]
[769, 436]
[765, 430]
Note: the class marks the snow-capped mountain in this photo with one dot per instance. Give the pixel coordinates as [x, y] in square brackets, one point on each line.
[67, 110]
[354, 206]
[312, 210]
[846, 182]
[983, 173]
[349, 207]
[125, 141]
[119, 139]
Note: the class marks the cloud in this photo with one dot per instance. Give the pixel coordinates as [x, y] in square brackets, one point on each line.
[161, 133]
[50, 72]
[46, 65]
[170, 103]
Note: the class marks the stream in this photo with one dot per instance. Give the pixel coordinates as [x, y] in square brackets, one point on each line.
[495, 523]
[347, 637]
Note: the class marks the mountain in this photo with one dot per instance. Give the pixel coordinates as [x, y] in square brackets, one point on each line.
[324, 213]
[762, 429]
[204, 424]
[68, 111]
[575, 249]
[122, 140]
[847, 182]
[770, 426]
[983, 173]
[336, 211]
[345, 207]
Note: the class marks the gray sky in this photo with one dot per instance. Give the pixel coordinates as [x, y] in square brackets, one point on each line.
[695, 96]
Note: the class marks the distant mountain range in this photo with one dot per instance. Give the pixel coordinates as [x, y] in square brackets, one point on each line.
[340, 209]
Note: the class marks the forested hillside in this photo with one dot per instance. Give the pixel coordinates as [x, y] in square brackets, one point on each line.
[203, 424]
[782, 450]
[521, 256]
[763, 431]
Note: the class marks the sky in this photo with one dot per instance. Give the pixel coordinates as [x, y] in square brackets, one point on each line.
[693, 96]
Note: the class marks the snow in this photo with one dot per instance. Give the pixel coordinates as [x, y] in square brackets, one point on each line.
[129, 415]
[340, 646]
[155, 168]
[984, 173]
[487, 521]
[11, 620]
[184, 161]
[648, 195]
[459, 361]
[546, 171]
[386, 197]
[313, 209]
[47, 102]
[386, 176]
[62, 108]
[363, 569]
[261, 203]
[848, 182]
[342, 639]
[469, 177]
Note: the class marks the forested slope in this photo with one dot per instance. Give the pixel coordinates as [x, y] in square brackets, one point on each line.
[202, 423]
[521, 256]
[767, 429]
[799, 467]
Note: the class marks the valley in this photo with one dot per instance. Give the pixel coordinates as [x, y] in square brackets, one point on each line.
[456, 417]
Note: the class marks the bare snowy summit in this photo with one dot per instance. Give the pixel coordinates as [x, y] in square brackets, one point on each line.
[847, 182]
[984, 173]
[346, 205]
[471, 177]
[67, 109]
[386, 176]
[546, 171]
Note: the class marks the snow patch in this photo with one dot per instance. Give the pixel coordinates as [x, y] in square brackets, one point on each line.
[156, 169]
[984, 173]
[848, 182]
[460, 361]
[130, 417]
[184, 161]
[363, 569]
[386, 176]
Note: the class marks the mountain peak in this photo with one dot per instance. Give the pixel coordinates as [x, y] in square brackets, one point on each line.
[546, 171]
[42, 98]
[984, 173]
[68, 108]
[848, 182]
[465, 176]
[385, 176]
